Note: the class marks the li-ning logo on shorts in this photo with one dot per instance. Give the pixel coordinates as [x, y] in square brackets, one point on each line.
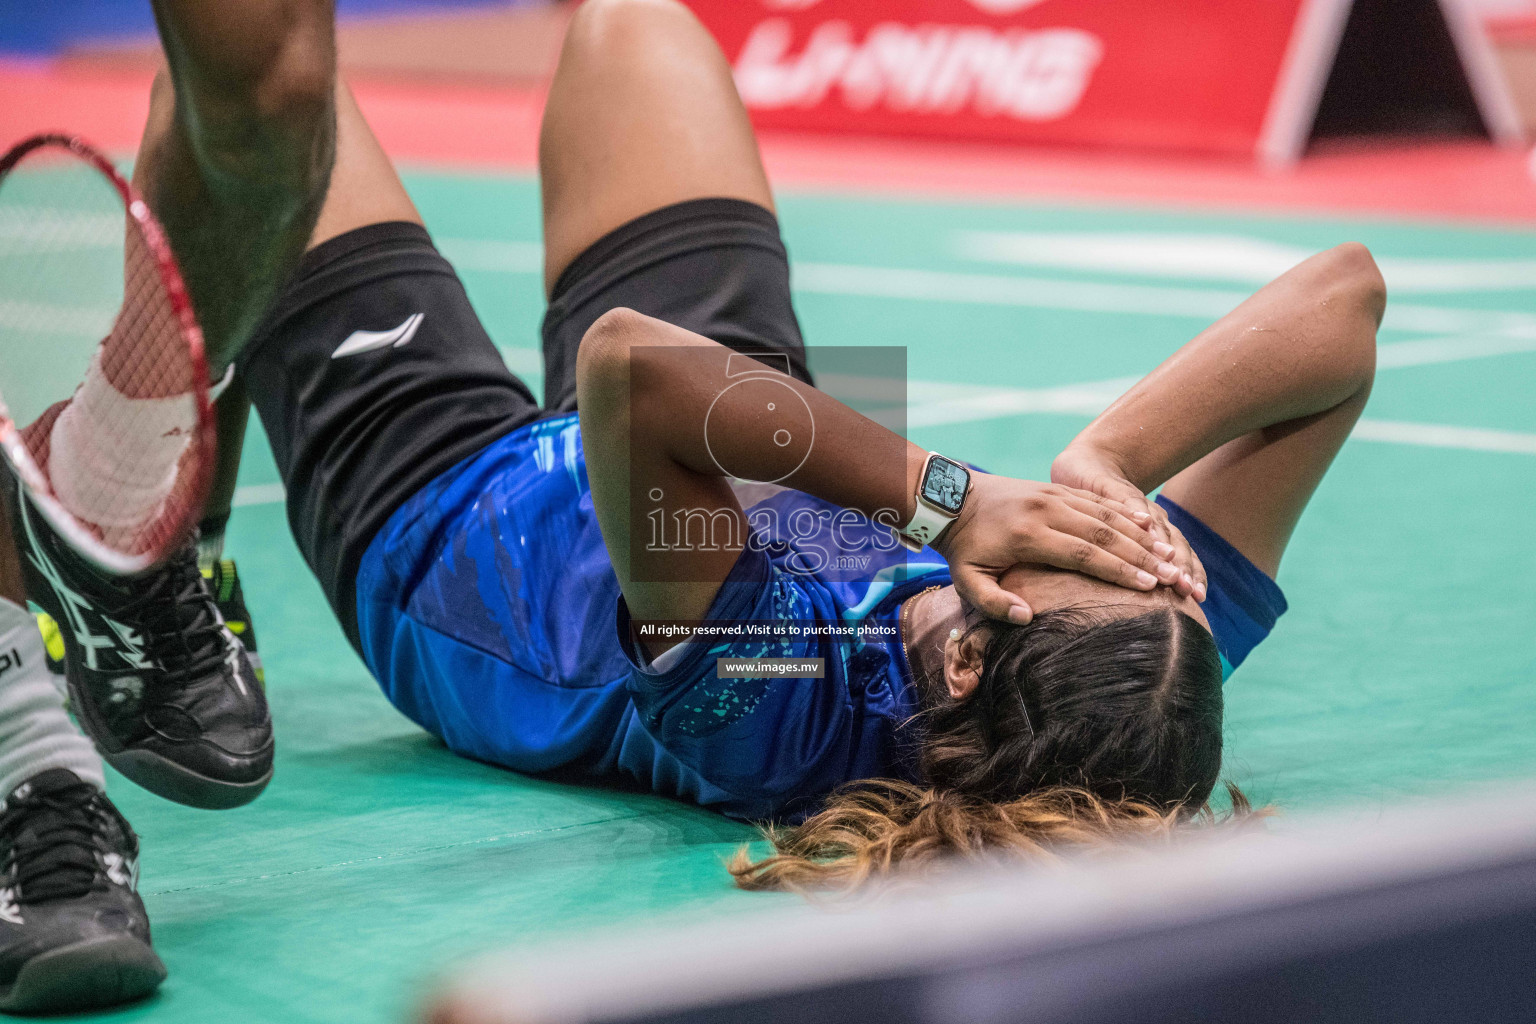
[367, 341]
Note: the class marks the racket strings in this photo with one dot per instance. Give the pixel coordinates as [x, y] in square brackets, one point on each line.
[102, 373]
[144, 356]
[115, 448]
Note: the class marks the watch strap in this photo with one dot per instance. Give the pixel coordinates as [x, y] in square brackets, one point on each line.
[926, 523]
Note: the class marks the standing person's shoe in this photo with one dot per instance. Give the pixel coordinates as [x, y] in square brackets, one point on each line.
[156, 679]
[224, 581]
[73, 932]
[53, 643]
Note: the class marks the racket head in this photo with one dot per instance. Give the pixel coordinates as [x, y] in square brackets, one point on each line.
[66, 210]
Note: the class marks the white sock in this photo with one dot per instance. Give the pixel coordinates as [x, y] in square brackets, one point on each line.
[35, 732]
[112, 459]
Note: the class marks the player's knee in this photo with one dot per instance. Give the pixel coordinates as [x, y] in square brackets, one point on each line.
[298, 89]
[615, 27]
[273, 127]
[629, 14]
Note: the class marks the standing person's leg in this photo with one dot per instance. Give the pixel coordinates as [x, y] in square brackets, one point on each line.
[158, 680]
[364, 190]
[372, 374]
[654, 194]
[35, 732]
[73, 932]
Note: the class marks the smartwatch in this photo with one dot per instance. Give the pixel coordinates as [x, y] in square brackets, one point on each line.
[941, 492]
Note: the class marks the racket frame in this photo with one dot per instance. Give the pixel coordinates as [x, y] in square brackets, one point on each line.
[200, 461]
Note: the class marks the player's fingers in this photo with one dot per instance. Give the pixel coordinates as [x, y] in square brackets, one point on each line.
[1191, 565]
[1189, 583]
[1115, 515]
[982, 591]
[1066, 551]
[1165, 530]
[1147, 513]
[1136, 513]
[1129, 548]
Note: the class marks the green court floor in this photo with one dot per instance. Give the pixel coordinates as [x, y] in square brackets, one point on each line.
[1407, 665]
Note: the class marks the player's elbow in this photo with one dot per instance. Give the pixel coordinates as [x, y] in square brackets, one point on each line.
[1356, 284]
[604, 360]
[605, 348]
[1359, 279]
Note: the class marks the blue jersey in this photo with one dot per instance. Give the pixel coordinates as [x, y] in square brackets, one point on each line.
[490, 613]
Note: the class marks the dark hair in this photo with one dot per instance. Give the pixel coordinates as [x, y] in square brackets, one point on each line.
[1121, 707]
[1082, 730]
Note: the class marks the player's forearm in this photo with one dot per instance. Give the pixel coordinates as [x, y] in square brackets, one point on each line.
[684, 404]
[1301, 346]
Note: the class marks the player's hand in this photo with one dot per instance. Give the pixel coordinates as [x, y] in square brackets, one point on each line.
[1007, 522]
[1088, 469]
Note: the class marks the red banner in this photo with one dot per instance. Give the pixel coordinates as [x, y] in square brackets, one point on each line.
[1182, 74]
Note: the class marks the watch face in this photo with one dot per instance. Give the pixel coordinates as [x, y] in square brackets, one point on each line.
[944, 484]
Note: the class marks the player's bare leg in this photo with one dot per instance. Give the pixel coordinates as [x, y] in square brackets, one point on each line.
[643, 113]
[365, 190]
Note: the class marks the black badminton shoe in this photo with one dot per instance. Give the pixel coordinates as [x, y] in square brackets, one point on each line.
[53, 643]
[156, 679]
[73, 932]
[224, 581]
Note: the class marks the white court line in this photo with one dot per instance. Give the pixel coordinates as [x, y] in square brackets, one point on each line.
[1206, 304]
[1244, 259]
[30, 229]
[857, 280]
[940, 403]
[1428, 351]
[1088, 399]
[42, 318]
[1094, 397]
[1011, 290]
[1434, 435]
[258, 494]
[492, 256]
[525, 362]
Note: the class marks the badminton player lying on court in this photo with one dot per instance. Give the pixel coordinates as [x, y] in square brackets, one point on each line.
[234, 163]
[487, 556]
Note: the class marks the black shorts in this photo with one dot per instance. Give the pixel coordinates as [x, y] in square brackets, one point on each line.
[372, 374]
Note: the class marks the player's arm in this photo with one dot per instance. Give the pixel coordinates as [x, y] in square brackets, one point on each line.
[238, 150]
[661, 426]
[1250, 413]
